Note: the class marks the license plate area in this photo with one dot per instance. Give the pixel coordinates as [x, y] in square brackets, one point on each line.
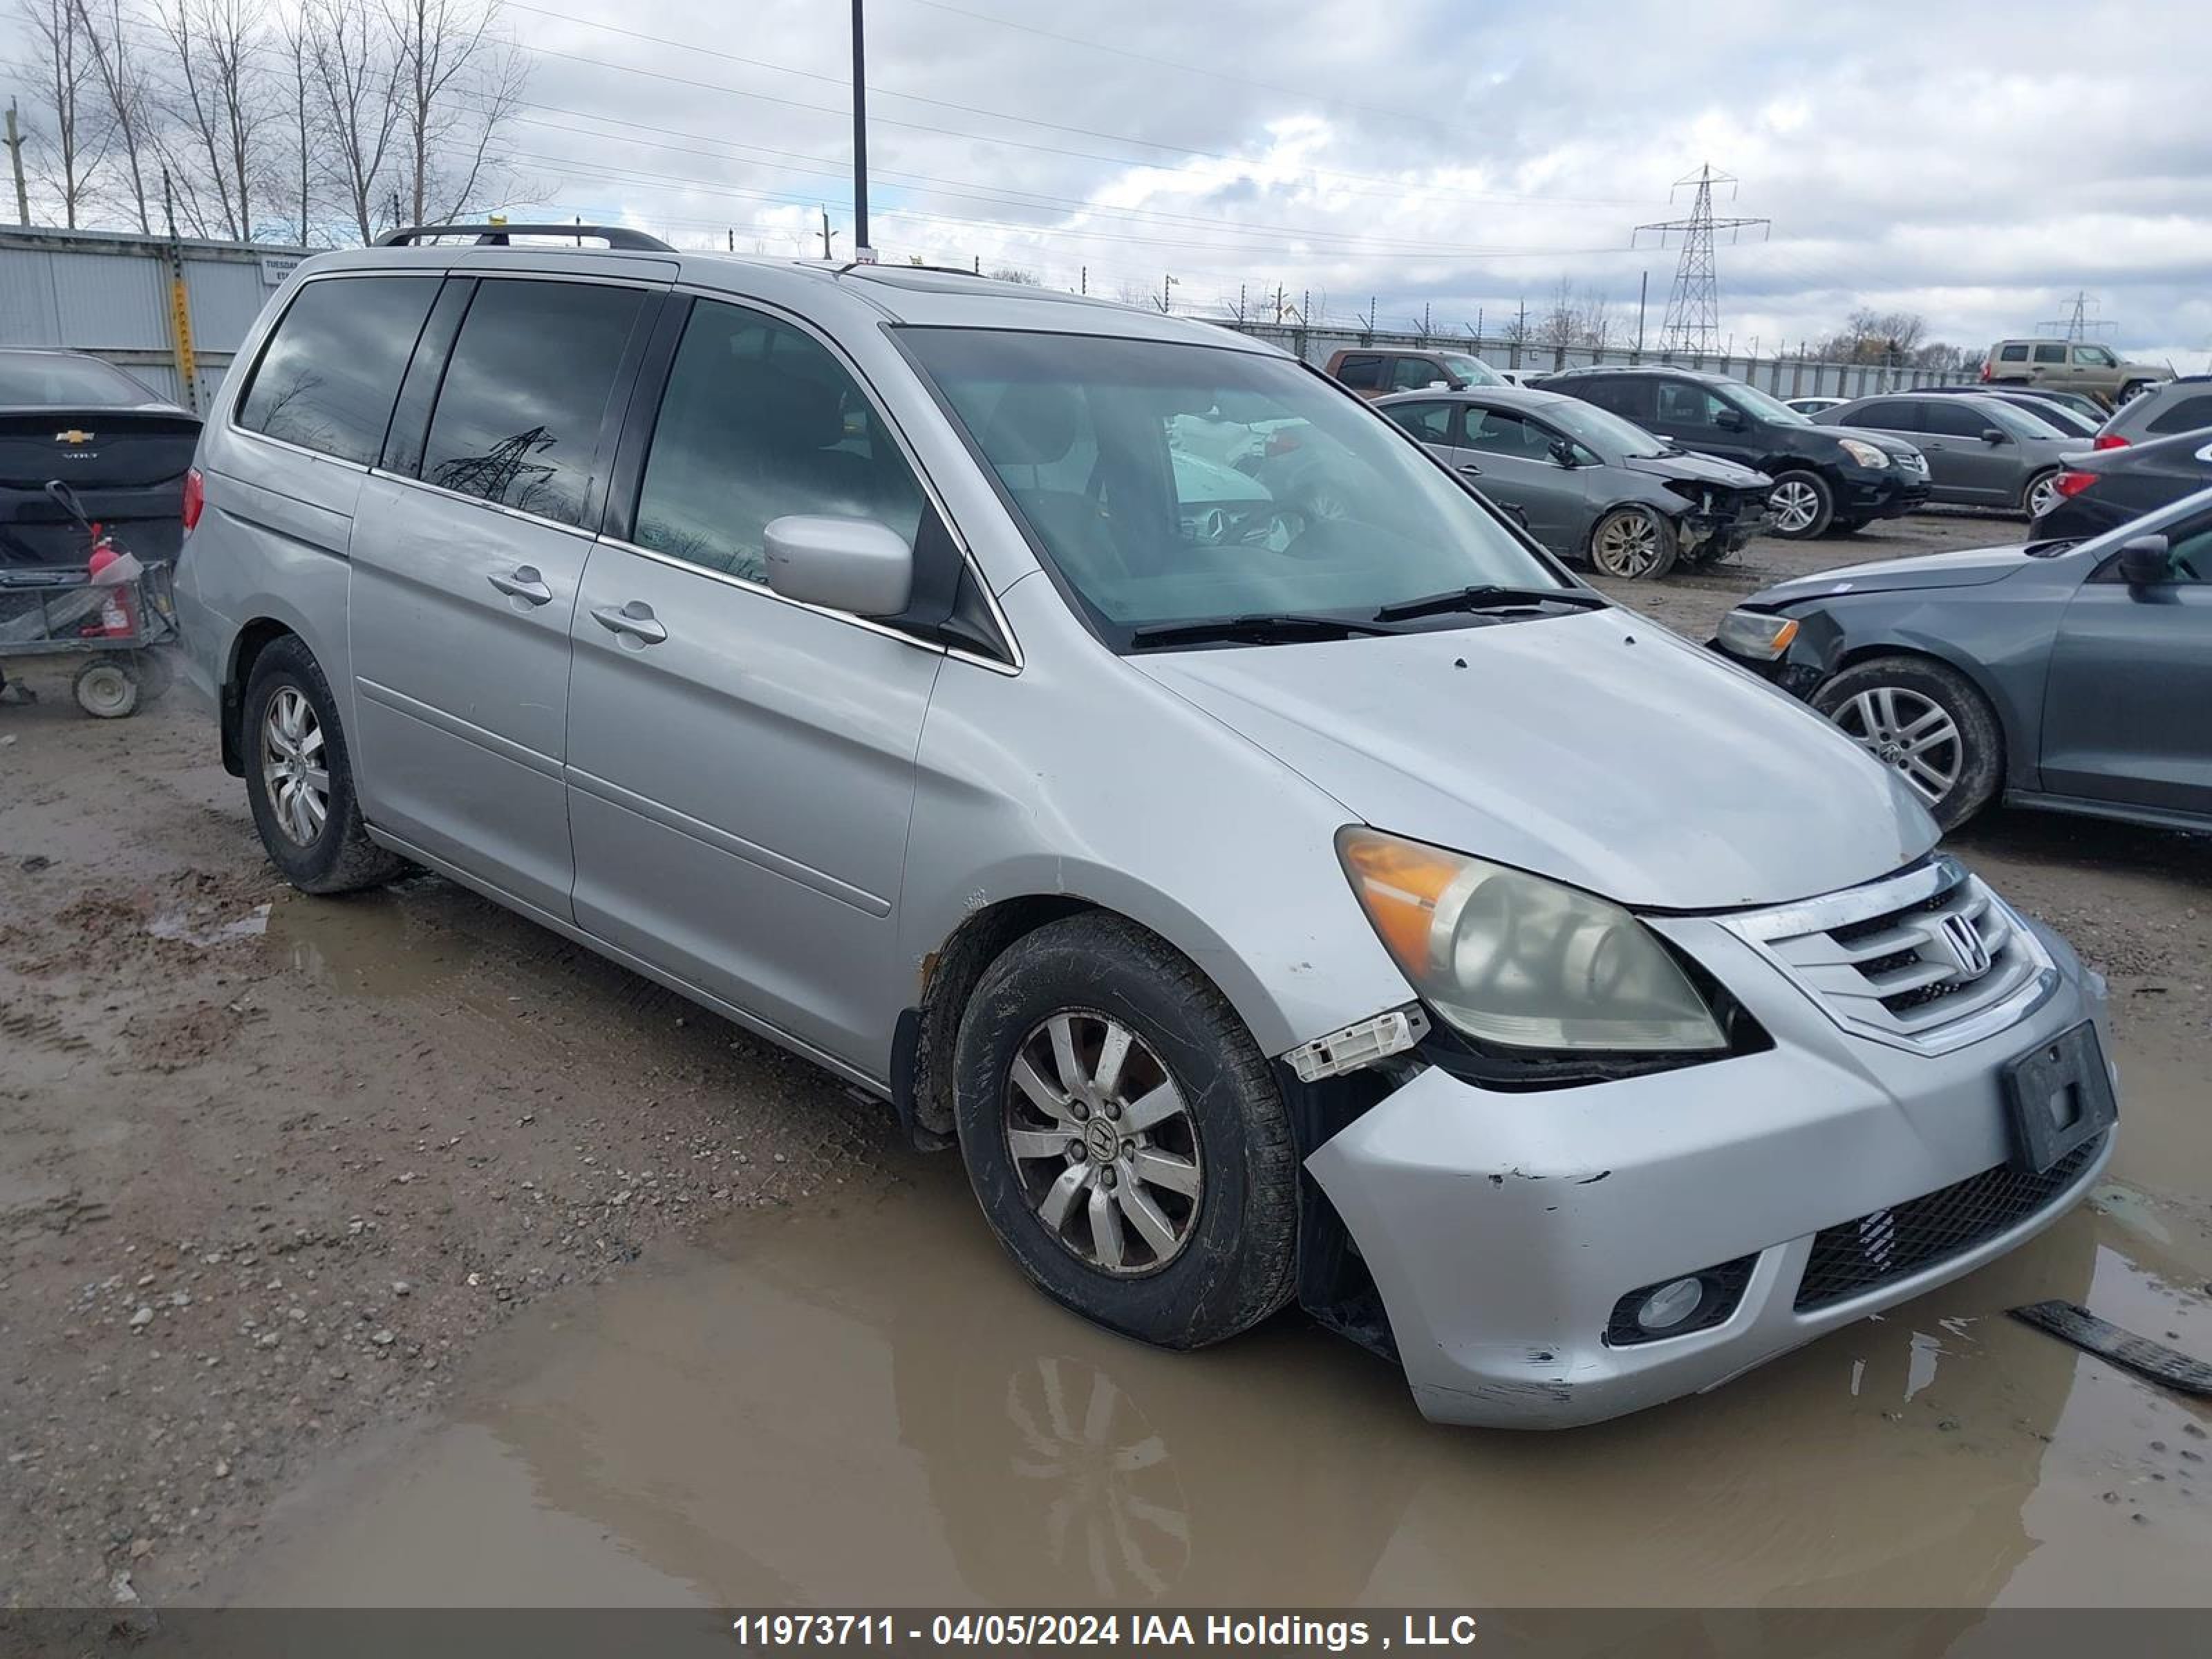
[2059, 1095]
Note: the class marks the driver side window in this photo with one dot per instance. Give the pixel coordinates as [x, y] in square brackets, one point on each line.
[1684, 404]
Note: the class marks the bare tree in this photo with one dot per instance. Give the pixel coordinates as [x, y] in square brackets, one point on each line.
[458, 82]
[298, 75]
[217, 98]
[1016, 274]
[123, 82]
[69, 153]
[360, 101]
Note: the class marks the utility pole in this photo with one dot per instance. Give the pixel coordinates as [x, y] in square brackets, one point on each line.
[1167, 292]
[1694, 309]
[15, 160]
[2078, 325]
[825, 234]
[861, 251]
[168, 202]
[732, 234]
[1083, 279]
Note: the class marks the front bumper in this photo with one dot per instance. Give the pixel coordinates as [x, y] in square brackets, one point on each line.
[1885, 495]
[1502, 1229]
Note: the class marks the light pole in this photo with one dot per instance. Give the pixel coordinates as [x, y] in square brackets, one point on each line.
[862, 251]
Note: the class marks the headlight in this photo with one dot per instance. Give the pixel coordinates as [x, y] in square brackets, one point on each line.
[1864, 453]
[1512, 959]
[1758, 635]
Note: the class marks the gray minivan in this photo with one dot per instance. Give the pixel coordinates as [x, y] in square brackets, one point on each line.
[1350, 909]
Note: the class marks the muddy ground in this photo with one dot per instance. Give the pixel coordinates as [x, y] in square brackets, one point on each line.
[391, 1250]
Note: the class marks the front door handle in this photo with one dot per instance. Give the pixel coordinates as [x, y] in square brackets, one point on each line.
[1470, 469]
[524, 584]
[634, 619]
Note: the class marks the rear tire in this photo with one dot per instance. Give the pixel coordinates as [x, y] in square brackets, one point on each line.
[307, 813]
[107, 688]
[2040, 494]
[1927, 722]
[1181, 1232]
[1633, 544]
[1802, 504]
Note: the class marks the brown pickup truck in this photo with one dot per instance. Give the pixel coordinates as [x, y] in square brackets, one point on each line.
[1377, 371]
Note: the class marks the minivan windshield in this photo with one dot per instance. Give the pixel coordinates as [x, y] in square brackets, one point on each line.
[1168, 482]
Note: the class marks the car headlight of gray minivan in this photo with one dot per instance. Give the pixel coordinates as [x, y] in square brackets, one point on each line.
[1509, 958]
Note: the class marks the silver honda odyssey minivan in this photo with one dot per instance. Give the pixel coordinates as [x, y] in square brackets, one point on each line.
[1152, 773]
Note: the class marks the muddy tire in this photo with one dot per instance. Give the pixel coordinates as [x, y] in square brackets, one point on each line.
[1802, 505]
[1125, 1136]
[1633, 544]
[1928, 722]
[307, 814]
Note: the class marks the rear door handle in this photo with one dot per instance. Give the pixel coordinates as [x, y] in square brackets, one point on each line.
[634, 619]
[1470, 469]
[524, 584]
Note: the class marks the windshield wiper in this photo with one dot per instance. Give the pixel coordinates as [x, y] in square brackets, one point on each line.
[1261, 627]
[1490, 596]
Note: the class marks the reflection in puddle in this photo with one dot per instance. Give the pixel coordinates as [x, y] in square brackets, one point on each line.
[376, 945]
[864, 1404]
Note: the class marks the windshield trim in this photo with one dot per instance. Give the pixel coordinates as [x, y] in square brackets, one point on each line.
[1118, 637]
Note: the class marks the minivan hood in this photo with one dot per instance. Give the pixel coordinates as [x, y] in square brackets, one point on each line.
[1969, 568]
[1701, 469]
[1596, 749]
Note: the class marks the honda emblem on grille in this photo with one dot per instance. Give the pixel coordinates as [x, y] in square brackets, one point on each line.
[1962, 940]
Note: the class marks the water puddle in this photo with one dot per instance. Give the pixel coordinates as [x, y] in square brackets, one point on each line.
[180, 924]
[864, 1403]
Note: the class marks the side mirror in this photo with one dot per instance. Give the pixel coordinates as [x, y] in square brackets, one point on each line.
[2144, 561]
[1563, 452]
[841, 564]
[1992, 435]
[1728, 420]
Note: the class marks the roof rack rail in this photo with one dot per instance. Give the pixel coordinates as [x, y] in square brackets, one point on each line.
[496, 236]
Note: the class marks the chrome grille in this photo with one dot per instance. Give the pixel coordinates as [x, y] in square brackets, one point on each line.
[1928, 959]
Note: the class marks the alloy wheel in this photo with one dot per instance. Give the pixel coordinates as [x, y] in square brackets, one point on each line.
[1103, 1144]
[293, 769]
[1795, 505]
[1628, 544]
[1909, 734]
[2043, 495]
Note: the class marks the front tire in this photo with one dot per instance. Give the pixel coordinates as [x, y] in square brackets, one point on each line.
[1124, 1137]
[299, 777]
[1928, 723]
[1802, 505]
[1633, 544]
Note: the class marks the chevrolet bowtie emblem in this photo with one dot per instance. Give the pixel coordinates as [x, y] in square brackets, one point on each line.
[73, 436]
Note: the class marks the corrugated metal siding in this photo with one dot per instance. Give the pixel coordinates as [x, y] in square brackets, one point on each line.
[109, 295]
[110, 301]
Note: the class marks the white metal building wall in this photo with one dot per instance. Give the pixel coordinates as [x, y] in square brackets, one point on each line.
[107, 293]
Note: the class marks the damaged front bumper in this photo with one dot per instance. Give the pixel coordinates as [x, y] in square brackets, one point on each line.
[1503, 1230]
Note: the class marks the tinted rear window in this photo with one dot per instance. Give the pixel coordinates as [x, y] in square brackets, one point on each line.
[2183, 415]
[1363, 372]
[330, 374]
[39, 381]
[526, 392]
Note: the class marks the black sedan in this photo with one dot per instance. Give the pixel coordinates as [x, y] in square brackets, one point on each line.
[2073, 676]
[2102, 489]
[68, 417]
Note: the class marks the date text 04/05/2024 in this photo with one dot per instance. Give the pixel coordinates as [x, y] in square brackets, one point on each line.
[1267, 1631]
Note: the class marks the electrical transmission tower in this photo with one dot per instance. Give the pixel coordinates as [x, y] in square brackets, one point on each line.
[2076, 327]
[1693, 310]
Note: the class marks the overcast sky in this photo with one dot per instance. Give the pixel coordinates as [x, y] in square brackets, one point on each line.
[1976, 163]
